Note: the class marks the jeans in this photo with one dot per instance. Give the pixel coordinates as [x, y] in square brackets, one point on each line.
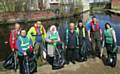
[38, 49]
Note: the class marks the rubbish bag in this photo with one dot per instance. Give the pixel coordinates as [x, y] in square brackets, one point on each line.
[33, 63]
[59, 60]
[115, 49]
[30, 64]
[44, 54]
[112, 60]
[40, 51]
[26, 67]
[10, 62]
[112, 57]
[84, 49]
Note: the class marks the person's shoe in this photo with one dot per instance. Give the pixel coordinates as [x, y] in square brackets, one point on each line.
[93, 56]
[67, 62]
[73, 62]
[79, 60]
[85, 59]
[56, 68]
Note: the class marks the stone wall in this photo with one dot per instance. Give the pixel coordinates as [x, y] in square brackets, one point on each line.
[116, 4]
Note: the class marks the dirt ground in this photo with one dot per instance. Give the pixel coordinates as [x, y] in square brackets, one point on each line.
[92, 66]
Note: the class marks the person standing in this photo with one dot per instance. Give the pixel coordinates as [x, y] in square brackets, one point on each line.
[13, 36]
[13, 40]
[38, 35]
[71, 43]
[95, 36]
[52, 39]
[110, 43]
[24, 45]
[82, 41]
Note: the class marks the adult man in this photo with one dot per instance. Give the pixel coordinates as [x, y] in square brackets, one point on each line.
[13, 36]
[38, 35]
[95, 35]
[71, 43]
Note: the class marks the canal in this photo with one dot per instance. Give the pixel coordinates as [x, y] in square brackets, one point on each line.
[61, 24]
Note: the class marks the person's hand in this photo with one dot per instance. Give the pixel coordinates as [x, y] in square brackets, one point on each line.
[13, 49]
[90, 39]
[60, 41]
[101, 38]
[52, 42]
[31, 49]
[65, 46]
[77, 47]
[24, 53]
[39, 33]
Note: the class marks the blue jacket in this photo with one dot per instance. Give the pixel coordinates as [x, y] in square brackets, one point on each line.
[20, 50]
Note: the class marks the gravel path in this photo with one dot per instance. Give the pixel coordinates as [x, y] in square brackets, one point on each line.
[92, 66]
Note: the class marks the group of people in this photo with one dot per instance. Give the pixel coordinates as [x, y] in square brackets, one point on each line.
[75, 44]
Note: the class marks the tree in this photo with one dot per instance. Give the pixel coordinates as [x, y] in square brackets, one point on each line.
[15, 5]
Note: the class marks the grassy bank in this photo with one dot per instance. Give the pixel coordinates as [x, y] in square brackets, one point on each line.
[114, 11]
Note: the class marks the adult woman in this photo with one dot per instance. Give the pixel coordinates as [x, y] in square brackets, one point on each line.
[52, 39]
[110, 43]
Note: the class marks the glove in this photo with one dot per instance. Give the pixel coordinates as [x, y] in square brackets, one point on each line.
[52, 42]
[31, 49]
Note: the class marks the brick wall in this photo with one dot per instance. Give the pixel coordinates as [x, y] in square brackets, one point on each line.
[116, 4]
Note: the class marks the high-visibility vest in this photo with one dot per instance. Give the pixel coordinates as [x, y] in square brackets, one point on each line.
[83, 31]
[54, 37]
[14, 35]
[33, 31]
[108, 36]
[67, 31]
[25, 43]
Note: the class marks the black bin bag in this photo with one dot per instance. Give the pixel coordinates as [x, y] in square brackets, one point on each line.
[112, 57]
[10, 62]
[30, 64]
[59, 60]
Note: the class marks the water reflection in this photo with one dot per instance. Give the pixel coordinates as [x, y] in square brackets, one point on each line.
[113, 20]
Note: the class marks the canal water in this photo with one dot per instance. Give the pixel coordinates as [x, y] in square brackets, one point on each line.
[61, 24]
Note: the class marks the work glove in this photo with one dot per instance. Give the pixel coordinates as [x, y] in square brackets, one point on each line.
[31, 49]
[52, 42]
